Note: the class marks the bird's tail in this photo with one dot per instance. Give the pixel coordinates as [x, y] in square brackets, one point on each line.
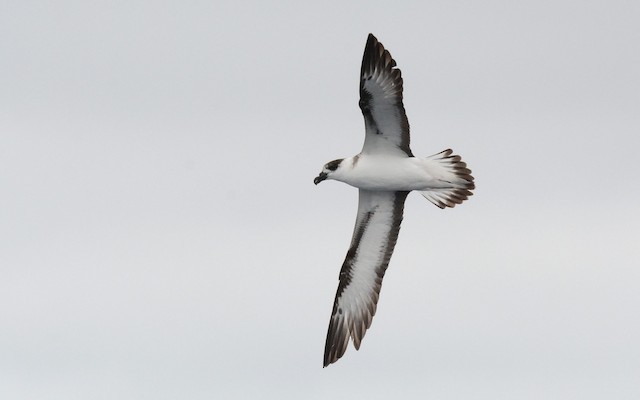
[455, 182]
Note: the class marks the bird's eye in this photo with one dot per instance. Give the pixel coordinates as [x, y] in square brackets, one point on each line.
[333, 165]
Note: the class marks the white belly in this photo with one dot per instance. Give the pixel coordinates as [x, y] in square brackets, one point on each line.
[389, 173]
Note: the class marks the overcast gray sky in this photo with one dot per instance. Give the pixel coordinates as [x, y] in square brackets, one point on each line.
[161, 237]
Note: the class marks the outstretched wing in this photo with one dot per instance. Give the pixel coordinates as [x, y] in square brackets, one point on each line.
[374, 237]
[386, 124]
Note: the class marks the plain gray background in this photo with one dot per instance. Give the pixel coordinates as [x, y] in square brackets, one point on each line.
[161, 237]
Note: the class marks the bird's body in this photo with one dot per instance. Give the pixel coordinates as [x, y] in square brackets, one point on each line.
[389, 173]
[385, 172]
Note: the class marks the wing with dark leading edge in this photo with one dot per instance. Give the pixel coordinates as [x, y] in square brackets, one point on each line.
[373, 241]
[386, 124]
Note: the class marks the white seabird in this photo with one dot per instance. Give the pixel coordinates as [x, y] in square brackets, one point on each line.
[385, 171]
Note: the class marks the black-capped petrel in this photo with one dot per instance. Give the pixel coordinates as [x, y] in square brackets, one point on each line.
[385, 172]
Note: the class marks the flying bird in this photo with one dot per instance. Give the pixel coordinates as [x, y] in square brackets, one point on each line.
[385, 172]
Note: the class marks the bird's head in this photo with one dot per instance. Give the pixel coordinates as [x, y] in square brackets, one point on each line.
[329, 169]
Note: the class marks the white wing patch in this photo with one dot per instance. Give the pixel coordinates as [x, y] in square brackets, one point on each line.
[374, 238]
[386, 124]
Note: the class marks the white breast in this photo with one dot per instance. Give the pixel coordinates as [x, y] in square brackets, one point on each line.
[375, 172]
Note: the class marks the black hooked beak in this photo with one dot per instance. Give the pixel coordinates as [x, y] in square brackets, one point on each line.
[320, 178]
